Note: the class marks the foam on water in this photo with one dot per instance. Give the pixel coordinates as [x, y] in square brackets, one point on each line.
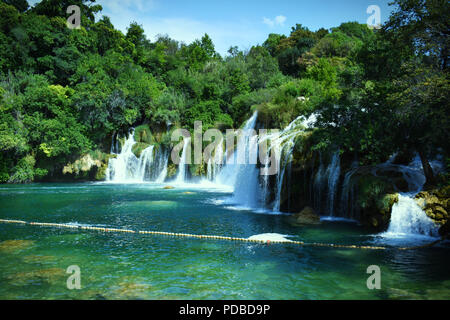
[271, 237]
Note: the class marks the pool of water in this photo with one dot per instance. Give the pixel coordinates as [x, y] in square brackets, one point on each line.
[33, 260]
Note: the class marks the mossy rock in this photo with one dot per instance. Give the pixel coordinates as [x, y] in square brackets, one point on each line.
[372, 189]
[143, 134]
[385, 204]
[171, 170]
[139, 147]
[52, 276]
[100, 175]
[197, 170]
[435, 203]
[306, 216]
[11, 246]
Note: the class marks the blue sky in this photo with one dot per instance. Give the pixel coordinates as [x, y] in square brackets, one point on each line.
[231, 22]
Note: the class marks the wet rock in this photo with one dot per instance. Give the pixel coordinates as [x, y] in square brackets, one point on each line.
[168, 187]
[10, 246]
[131, 290]
[38, 259]
[51, 276]
[306, 216]
[435, 203]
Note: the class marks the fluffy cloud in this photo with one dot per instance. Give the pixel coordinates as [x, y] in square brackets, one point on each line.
[278, 20]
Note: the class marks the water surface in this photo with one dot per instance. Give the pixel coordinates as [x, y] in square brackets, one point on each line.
[33, 259]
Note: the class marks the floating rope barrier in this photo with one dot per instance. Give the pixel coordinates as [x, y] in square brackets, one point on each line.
[211, 237]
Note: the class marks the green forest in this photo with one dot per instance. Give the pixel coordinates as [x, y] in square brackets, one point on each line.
[66, 92]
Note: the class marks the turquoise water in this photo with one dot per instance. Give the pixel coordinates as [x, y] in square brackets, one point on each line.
[33, 260]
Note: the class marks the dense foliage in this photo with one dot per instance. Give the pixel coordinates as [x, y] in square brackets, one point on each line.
[65, 92]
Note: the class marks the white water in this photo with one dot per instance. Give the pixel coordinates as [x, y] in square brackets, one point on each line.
[408, 220]
[283, 145]
[215, 163]
[240, 170]
[145, 159]
[127, 168]
[348, 193]
[270, 237]
[181, 177]
[327, 180]
[333, 172]
[123, 168]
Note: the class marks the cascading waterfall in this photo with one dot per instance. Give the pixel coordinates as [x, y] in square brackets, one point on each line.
[333, 172]
[283, 144]
[126, 167]
[327, 180]
[215, 163]
[181, 177]
[123, 168]
[319, 182]
[407, 217]
[240, 170]
[347, 193]
[145, 160]
[162, 163]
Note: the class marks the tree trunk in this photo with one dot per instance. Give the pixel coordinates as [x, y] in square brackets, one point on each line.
[427, 170]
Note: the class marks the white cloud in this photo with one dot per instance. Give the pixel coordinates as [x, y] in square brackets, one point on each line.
[268, 21]
[278, 20]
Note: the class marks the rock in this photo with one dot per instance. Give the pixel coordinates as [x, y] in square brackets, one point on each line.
[374, 222]
[306, 216]
[168, 187]
[435, 203]
[52, 276]
[9, 246]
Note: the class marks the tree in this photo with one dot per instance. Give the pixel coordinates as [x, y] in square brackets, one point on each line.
[422, 25]
[420, 95]
[20, 5]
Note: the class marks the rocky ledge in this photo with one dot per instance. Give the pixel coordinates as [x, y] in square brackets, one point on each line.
[436, 204]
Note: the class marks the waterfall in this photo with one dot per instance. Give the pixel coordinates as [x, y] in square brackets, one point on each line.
[333, 172]
[163, 161]
[145, 160]
[181, 177]
[287, 150]
[408, 218]
[215, 163]
[240, 170]
[319, 183]
[126, 167]
[347, 193]
[228, 174]
[283, 144]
